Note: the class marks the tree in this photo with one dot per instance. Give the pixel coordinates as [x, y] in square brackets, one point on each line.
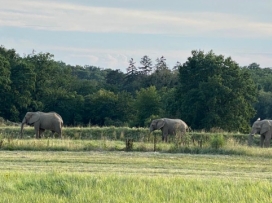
[215, 92]
[114, 80]
[44, 67]
[263, 106]
[261, 76]
[99, 106]
[163, 76]
[146, 63]
[147, 103]
[125, 111]
[131, 82]
[161, 64]
[169, 102]
[5, 83]
[23, 83]
[131, 70]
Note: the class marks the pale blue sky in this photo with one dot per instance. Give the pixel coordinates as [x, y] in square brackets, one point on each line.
[107, 33]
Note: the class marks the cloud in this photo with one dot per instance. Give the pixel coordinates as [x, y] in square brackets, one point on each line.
[49, 15]
[119, 58]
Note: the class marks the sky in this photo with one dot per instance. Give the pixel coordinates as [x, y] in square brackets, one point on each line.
[108, 33]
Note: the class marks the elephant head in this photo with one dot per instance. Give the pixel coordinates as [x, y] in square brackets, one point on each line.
[156, 124]
[29, 119]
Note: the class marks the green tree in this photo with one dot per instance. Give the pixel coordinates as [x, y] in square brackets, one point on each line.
[114, 80]
[146, 65]
[100, 106]
[169, 102]
[163, 76]
[263, 106]
[125, 111]
[23, 80]
[46, 73]
[5, 88]
[261, 76]
[147, 103]
[132, 80]
[215, 92]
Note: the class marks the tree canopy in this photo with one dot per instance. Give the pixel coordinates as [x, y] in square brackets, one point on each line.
[215, 92]
[207, 91]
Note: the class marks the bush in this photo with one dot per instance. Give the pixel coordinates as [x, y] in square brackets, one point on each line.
[217, 141]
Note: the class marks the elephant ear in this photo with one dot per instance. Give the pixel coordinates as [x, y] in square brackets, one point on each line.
[34, 118]
[160, 123]
[265, 127]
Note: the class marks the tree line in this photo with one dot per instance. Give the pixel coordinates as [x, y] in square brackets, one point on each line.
[207, 91]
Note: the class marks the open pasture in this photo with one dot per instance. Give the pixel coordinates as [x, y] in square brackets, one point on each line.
[118, 176]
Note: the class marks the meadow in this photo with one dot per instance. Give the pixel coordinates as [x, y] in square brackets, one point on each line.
[101, 170]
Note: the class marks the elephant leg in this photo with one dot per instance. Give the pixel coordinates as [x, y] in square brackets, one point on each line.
[162, 138]
[164, 134]
[262, 140]
[267, 141]
[52, 133]
[41, 132]
[37, 132]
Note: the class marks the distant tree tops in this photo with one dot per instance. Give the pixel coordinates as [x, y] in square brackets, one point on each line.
[207, 91]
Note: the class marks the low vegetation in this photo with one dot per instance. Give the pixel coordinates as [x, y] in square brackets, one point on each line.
[51, 176]
[94, 165]
[115, 139]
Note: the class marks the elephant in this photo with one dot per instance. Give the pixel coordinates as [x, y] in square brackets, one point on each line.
[168, 127]
[264, 128]
[43, 121]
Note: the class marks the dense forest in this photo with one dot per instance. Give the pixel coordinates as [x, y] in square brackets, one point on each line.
[207, 91]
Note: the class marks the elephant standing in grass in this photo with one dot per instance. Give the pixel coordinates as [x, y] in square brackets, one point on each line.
[264, 128]
[43, 121]
[169, 127]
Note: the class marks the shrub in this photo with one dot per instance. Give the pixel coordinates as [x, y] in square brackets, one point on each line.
[217, 141]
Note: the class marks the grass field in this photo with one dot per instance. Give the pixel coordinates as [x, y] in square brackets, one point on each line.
[118, 176]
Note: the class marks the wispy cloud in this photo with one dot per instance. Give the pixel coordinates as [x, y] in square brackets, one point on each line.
[49, 15]
[119, 58]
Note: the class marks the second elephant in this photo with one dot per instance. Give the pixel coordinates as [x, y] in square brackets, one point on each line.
[169, 127]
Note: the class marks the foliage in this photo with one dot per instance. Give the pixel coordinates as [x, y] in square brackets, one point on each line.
[217, 141]
[147, 103]
[146, 67]
[4, 85]
[263, 106]
[215, 92]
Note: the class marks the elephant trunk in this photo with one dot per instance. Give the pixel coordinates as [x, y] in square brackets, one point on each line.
[250, 139]
[251, 135]
[22, 127]
[151, 129]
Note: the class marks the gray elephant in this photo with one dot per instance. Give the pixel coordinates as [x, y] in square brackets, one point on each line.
[43, 121]
[169, 127]
[264, 128]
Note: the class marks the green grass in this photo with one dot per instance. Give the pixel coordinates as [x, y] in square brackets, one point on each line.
[230, 147]
[61, 176]
[81, 169]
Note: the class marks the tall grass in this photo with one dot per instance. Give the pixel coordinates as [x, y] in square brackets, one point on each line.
[29, 176]
[65, 188]
[215, 146]
[120, 133]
